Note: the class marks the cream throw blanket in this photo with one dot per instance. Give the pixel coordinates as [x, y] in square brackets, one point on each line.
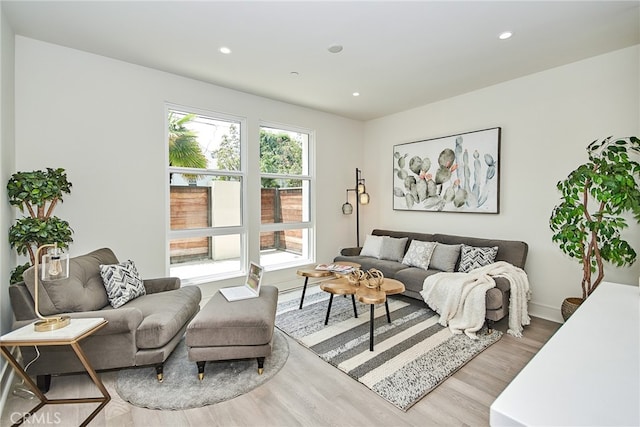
[459, 298]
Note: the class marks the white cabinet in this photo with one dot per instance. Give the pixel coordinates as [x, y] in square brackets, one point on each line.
[587, 374]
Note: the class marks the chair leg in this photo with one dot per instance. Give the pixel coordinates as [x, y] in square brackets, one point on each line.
[260, 365]
[159, 372]
[490, 324]
[201, 369]
[43, 382]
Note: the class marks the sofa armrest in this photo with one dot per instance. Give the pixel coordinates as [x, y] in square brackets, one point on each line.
[21, 302]
[121, 320]
[350, 251]
[163, 284]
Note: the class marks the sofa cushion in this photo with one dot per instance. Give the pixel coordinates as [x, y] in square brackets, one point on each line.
[393, 248]
[164, 315]
[419, 254]
[372, 246]
[413, 278]
[445, 257]
[122, 282]
[83, 290]
[473, 257]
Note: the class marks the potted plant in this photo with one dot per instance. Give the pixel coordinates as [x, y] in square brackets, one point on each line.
[596, 197]
[37, 192]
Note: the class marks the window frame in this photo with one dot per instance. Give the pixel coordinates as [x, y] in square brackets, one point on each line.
[308, 227]
[242, 230]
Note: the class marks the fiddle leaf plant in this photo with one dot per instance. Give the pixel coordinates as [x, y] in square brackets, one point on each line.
[37, 193]
[587, 224]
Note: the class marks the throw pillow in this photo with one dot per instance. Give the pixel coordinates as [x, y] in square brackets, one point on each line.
[473, 257]
[372, 246]
[122, 282]
[393, 248]
[444, 257]
[419, 254]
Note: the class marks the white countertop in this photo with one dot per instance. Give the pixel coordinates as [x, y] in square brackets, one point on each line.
[587, 374]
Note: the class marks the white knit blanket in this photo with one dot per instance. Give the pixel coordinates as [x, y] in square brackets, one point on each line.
[460, 298]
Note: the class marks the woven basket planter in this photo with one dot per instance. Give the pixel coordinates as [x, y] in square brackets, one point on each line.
[569, 306]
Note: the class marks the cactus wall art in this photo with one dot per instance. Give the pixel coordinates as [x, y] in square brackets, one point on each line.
[457, 173]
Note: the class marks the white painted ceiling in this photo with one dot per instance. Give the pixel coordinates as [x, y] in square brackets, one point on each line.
[398, 55]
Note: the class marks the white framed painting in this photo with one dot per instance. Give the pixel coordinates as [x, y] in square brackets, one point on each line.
[456, 173]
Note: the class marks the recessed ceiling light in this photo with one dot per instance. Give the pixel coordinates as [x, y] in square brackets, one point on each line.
[294, 73]
[225, 50]
[336, 48]
[505, 35]
[356, 93]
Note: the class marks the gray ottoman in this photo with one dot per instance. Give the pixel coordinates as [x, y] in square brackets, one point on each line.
[225, 330]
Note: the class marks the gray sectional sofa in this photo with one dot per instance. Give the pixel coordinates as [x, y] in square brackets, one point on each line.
[513, 252]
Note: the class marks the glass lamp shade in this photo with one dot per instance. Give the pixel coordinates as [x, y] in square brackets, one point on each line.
[361, 188]
[55, 265]
[364, 198]
[347, 209]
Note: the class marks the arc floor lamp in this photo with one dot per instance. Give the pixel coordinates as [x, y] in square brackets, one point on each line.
[362, 198]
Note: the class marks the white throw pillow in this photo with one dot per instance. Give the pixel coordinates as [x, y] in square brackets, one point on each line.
[419, 254]
[393, 248]
[372, 246]
[122, 282]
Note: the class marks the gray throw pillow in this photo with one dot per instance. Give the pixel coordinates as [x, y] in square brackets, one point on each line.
[444, 257]
[372, 246]
[473, 257]
[419, 254]
[122, 282]
[393, 248]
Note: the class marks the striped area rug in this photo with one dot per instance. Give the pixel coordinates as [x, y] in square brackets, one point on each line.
[412, 355]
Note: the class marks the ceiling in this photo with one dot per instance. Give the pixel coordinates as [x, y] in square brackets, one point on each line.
[397, 55]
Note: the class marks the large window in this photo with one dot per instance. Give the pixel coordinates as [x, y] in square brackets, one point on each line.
[286, 231]
[207, 234]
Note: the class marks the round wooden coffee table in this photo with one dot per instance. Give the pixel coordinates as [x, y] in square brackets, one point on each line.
[314, 272]
[365, 295]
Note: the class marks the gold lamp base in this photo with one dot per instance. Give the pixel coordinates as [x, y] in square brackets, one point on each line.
[51, 323]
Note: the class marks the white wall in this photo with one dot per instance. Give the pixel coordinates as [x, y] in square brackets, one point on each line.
[7, 160]
[547, 120]
[103, 121]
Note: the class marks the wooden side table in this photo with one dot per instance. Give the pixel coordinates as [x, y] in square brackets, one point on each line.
[364, 295]
[71, 335]
[313, 272]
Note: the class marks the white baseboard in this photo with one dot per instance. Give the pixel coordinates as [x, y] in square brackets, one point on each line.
[545, 312]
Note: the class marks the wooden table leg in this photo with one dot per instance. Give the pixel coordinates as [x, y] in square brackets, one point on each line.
[304, 289]
[355, 310]
[371, 319]
[326, 320]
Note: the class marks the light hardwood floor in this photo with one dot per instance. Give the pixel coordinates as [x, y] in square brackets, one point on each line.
[310, 392]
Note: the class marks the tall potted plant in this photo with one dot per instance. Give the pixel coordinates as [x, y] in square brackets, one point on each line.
[587, 223]
[37, 193]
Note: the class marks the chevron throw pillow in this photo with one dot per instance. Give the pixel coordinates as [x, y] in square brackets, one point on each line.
[473, 257]
[122, 282]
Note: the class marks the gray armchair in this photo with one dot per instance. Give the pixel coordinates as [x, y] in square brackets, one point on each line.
[143, 331]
